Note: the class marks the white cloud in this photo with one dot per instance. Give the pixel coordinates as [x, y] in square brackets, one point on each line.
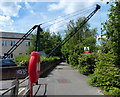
[7, 10]
[28, 6]
[55, 7]
[71, 6]
[6, 23]
[10, 8]
[68, 7]
[6, 19]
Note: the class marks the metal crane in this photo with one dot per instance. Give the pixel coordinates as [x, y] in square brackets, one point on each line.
[11, 50]
[39, 29]
[75, 30]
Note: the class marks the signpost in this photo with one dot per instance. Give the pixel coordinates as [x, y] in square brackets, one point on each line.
[86, 50]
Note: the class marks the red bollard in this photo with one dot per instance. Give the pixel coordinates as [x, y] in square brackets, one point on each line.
[33, 69]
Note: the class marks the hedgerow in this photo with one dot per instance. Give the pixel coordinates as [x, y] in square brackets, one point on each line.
[87, 63]
[102, 70]
[23, 60]
[106, 74]
[73, 59]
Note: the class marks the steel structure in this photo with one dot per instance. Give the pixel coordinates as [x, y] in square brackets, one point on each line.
[38, 35]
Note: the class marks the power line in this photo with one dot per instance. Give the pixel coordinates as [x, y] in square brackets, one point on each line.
[75, 17]
[67, 15]
[68, 18]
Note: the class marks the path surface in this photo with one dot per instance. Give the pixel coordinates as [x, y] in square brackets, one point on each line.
[65, 80]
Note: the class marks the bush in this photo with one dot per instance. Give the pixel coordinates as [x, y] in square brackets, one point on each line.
[87, 63]
[23, 60]
[106, 74]
[73, 59]
[46, 59]
[114, 92]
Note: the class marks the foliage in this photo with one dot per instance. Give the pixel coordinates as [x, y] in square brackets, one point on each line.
[107, 71]
[85, 37]
[73, 49]
[114, 92]
[87, 63]
[102, 68]
[23, 60]
[47, 43]
[46, 59]
[73, 59]
[112, 28]
[106, 74]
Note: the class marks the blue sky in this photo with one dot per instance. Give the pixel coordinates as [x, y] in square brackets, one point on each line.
[21, 16]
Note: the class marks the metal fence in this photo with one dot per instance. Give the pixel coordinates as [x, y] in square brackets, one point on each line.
[13, 90]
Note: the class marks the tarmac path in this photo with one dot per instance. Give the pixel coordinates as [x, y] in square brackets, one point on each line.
[65, 80]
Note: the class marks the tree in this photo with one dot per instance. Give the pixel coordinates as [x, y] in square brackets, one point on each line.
[112, 28]
[33, 43]
[47, 43]
[85, 37]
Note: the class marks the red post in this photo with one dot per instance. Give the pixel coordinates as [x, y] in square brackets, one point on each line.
[31, 89]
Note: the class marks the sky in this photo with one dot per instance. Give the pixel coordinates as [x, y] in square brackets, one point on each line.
[20, 15]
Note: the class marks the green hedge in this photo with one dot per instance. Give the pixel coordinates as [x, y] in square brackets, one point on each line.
[106, 74]
[84, 63]
[23, 60]
[46, 59]
[73, 59]
[87, 63]
[102, 70]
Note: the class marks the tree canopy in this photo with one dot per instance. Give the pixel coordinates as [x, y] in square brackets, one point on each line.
[47, 43]
[85, 37]
[112, 28]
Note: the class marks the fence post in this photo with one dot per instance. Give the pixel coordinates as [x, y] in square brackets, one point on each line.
[14, 91]
[28, 90]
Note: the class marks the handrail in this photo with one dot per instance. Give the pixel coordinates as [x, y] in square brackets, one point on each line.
[24, 80]
[8, 89]
[14, 86]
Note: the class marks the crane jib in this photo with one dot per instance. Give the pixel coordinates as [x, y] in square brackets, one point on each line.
[59, 46]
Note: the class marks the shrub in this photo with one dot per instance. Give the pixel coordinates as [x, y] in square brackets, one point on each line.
[106, 74]
[73, 59]
[87, 63]
[23, 60]
[114, 92]
[47, 59]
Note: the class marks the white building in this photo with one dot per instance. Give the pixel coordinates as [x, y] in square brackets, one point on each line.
[8, 39]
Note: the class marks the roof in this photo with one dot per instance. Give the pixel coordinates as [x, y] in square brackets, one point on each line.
[12, 35]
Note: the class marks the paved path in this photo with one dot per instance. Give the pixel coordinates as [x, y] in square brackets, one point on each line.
[65, 80]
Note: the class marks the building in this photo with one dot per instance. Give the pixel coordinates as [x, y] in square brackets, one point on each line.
[8, 39]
